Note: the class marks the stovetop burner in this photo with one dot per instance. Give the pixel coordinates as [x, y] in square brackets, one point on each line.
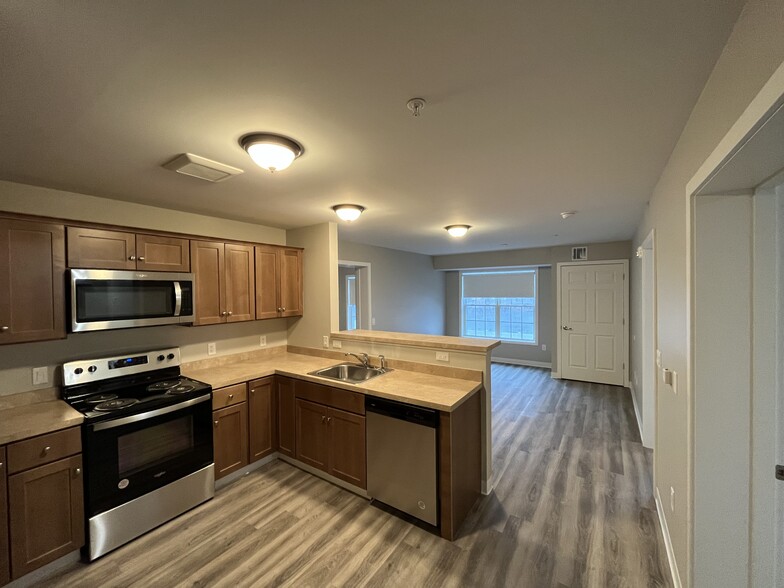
[99, 398]
[180, 389]
[162, 386]
[116, 404]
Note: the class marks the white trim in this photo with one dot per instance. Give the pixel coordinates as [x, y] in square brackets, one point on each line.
[555, 375]
[626, 280]
[525, 362]
[366, 299]
[676, 577]
[636, 409]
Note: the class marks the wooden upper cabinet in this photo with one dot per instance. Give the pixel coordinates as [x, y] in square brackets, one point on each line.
[261, 418]
[158, 253]
[230, 439]
[32, 281]
[279, 290]
[240, 283]
[46, 507]
[5, 564]
[225, 284]
[286, 414]
[100, 249]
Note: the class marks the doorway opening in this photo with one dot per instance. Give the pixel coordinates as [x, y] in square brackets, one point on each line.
[354, 295]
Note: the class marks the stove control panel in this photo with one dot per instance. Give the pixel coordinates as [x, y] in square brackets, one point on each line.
[93, 370]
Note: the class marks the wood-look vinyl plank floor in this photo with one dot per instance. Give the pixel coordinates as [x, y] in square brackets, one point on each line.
[572, 506]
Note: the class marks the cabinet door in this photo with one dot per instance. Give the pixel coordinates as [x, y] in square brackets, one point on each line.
[286, 430]
[267, 281]
[312, 436]
[163, 254]
[32, 280]
[5, 564]
[207, 260]
[47, 514]
[98, 249]
[291, 290]
[230, 439]
[261, 412]
[347, 446]
[240, 283]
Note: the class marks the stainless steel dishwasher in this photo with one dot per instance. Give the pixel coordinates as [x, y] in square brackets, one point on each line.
[401, 457]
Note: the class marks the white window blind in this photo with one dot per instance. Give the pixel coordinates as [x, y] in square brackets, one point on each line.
[508, 284]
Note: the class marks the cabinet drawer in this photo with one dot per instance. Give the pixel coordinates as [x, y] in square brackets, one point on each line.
[335, 397]
[37, 451]
[229, 396]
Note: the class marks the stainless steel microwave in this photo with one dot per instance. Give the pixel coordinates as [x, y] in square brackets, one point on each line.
[108, 299]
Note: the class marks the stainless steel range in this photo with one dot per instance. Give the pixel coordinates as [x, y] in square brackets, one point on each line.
[146, 442]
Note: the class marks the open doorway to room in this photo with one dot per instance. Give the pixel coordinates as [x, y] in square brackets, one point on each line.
[354, 295]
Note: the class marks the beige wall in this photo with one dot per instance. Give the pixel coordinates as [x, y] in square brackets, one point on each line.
[753, 52]
[320, 283]
[16, 361]
[538, 256]
[407, 294]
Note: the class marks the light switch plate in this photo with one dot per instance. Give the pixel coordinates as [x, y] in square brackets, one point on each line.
[544, 347]
[325, 341]
[337, 344]
[211, 349]
[40, 376]
[442, 356]
[262, 340]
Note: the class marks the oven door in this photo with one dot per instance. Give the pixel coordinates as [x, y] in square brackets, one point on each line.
[130, 456]
[106, 299]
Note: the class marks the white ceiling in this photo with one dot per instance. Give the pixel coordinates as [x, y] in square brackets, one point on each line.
[533, 108]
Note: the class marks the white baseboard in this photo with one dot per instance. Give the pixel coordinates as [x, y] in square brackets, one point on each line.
[555, 375]
[636, 410]
[676, 577]
[525, 362]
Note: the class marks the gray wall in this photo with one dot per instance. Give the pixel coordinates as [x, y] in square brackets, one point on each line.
[514, 351]
[406, 293]
[537, 256]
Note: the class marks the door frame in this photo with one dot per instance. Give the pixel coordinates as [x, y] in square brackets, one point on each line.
[365, 320]
[559, 354]
[649, 381]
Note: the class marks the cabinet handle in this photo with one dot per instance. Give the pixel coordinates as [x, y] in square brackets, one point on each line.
[231, 396]
[46, 450]
[329, 419]
[131, 258]
[78, 471]
[323, 419]
[3, 329]
[1, 464]
[216, 423]
[224, 313]
[253, 390]
[228, 313]
[141, 258]
[283, 309]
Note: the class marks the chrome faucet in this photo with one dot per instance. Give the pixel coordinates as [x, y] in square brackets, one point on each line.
[383, 363]
[364, 358]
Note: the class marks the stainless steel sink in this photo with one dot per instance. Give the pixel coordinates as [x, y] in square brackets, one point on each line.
[350, 372]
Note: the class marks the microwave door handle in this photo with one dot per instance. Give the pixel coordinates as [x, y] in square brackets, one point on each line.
[177, 298]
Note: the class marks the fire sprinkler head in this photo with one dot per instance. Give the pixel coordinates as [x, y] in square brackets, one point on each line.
[415, 105]
[567, 214]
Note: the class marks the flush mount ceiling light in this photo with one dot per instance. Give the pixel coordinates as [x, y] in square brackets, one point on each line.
[457, 230]
[348, 212]
[270, 151]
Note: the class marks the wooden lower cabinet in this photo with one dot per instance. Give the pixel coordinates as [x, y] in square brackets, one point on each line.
[5, 564]
[230, 439]
[332, 440]
[261, 418]
[286, 415]
[46, 514]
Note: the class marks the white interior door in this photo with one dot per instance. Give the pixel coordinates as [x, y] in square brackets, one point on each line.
[592, 329]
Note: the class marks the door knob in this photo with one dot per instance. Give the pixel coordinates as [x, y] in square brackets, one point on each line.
[565, 328]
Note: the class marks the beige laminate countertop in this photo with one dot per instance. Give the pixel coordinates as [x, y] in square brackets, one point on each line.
[438, 392]
[415, 340]
[31, 420]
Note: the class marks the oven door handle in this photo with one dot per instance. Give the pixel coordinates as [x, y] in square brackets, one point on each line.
[150, 414]
[177, 298]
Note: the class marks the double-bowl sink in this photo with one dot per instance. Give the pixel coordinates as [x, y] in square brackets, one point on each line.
[351, 373]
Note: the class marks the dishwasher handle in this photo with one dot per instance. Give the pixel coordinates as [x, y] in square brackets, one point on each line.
[427, 417]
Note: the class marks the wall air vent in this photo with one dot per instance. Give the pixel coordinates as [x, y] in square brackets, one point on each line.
[579, 253]
[200, 167]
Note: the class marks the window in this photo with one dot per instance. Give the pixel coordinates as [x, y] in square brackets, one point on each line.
[499, 304]
[351, 302]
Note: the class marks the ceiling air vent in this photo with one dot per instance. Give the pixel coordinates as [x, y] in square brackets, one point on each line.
[579, 253]
[200, 167]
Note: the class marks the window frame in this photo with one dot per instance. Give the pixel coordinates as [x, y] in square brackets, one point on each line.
[534, 270]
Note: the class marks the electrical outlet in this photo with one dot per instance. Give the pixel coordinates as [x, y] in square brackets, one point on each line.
[672, 499]
[325, 341]
[262, 340]
[337, 344]
[544, 347]
[40, 376]
[442, 356]
[373, 321]
[211, 349]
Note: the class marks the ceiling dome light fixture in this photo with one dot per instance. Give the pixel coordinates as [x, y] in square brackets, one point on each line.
[348, 212]
[270, 151]
[457, 230]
